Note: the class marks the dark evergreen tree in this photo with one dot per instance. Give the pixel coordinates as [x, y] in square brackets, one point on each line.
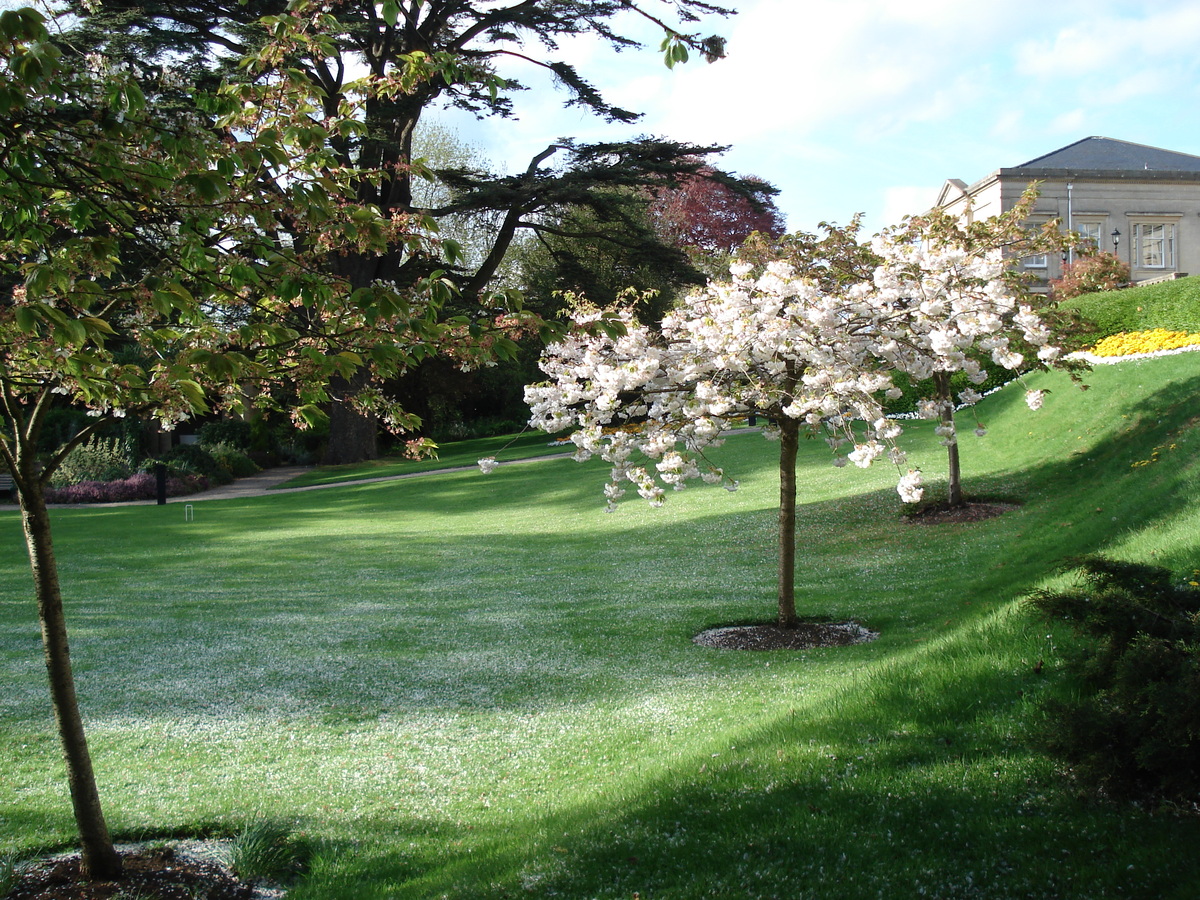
[461, 40]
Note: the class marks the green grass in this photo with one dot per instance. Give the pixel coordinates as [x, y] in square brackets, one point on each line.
[1174, 305]
[474, 686]
[506, 448]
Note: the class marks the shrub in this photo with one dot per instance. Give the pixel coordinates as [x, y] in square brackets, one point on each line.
[99, 459]
[1090, 275]
[233, 460]
[268, 848]
[914, 391]
[11, 868]
[1134, 727]
[190, 459]
[232, 432]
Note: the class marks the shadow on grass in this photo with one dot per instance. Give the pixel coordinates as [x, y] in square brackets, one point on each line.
[841, 805]
[274, 604]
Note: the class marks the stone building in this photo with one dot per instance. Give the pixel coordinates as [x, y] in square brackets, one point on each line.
[1142, 203]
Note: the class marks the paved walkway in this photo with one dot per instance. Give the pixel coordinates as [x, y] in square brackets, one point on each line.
[267, 481]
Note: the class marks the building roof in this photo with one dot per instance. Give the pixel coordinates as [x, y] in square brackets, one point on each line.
[1107, 154]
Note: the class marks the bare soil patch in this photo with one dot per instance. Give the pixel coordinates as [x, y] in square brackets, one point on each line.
[151, 873]
[944, 514]
[805, 636]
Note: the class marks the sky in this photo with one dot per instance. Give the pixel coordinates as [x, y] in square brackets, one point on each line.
[870, 105]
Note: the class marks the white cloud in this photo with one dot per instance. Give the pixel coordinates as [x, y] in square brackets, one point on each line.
[1107, 44]
[907, 200]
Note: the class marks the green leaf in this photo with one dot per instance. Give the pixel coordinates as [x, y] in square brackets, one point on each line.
[192, 392]
[311, 415]
[75, 331]
[27, 317]
[99, 325]
[173, 296]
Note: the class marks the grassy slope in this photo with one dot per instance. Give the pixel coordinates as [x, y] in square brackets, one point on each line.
[1174, 305]
[475, 686]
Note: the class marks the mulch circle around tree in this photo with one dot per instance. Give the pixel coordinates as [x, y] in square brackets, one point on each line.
[151, 873]
[805, 636]
[944, 514]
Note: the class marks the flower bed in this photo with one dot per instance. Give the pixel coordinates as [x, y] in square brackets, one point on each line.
[143, 486]
[1129, 343]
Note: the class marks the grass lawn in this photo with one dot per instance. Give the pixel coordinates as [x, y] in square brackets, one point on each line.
[472, 686]
[526, 445]
[1174, 305]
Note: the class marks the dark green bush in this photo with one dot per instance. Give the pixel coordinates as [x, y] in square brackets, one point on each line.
[231, 432]
[233, 460]
[914, 391]
[1133, 729]
[190, 459]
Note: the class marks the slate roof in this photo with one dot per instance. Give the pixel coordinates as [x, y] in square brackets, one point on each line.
[1107, 154]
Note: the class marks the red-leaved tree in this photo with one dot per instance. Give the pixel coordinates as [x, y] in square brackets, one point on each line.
[710, 214]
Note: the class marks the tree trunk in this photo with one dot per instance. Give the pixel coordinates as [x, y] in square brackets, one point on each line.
[353, 436]
[955, 490]
[100, 859]
[941, 381]
[789, 442]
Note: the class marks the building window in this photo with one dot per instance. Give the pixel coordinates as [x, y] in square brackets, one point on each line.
[1154, 245]
[1089, 236]
[1035, 262]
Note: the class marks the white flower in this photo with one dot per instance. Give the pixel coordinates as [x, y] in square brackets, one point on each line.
[1033, 399]
[487, 465]
[909, 487]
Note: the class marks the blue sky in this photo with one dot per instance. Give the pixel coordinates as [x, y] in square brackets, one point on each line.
[869, 105]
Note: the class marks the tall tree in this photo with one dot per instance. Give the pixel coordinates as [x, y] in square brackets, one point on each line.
[709, 215]
[148, 268]
[462, 41]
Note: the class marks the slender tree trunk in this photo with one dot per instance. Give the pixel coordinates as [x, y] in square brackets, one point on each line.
[100, 859]
[941, 381]
[789, 442]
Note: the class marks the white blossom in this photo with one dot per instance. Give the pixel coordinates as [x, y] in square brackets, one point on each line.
[909, 487]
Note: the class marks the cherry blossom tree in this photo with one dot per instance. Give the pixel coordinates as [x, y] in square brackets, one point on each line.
[813, 354]
[650, 401]
[154, 265]
[964, 300]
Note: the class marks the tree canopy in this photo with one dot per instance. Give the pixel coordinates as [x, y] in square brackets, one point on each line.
[457, 46]
[709, 213]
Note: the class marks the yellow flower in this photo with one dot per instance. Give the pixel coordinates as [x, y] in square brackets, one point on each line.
[1128, 343]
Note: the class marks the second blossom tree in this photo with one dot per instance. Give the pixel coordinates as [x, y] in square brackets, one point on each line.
[811, 355]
